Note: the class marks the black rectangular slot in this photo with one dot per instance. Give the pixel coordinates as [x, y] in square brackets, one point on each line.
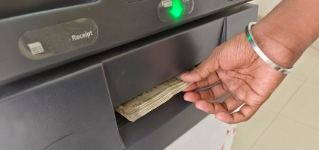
[10, 8]
[120, 120]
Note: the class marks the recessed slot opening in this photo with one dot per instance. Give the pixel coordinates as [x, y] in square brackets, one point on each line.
[122, 121]
[11, 8]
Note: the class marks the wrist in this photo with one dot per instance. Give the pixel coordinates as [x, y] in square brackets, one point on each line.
[280, 51]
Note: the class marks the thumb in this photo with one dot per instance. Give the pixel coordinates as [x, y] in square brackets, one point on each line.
[201, 72]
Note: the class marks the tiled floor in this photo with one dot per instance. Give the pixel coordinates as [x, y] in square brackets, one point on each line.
[289, 120]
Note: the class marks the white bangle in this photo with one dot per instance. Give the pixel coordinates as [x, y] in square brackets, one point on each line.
[261, 54]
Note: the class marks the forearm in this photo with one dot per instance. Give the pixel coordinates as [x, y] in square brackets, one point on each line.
[286, 32]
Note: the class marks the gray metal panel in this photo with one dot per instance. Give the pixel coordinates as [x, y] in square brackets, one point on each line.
[118, 23]
[9, 8]
[73, 112]
[143, 68]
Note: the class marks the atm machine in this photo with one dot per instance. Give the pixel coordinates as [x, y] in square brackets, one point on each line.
[65, 65]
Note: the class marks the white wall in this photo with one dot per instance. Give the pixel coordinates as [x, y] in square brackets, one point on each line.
[265, 6]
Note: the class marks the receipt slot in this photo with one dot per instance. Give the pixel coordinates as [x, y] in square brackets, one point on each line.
[170, 10]
[57, 39]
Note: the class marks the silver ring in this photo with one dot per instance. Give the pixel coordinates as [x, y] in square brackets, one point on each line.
[261, 54]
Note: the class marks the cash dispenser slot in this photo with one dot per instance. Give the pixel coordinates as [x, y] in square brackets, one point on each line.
[155, 59]
[132, 73]
[137, 71]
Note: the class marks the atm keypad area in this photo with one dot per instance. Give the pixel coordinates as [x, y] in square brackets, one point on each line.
[65, 95]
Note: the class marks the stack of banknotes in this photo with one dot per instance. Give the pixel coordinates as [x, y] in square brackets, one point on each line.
[151, 99]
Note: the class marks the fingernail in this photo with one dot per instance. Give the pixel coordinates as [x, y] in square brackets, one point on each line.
[186, 99]
[198, 106]
[218, 117]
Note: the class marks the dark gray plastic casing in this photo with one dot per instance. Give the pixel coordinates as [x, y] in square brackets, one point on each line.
[71, 107]
[118, 22]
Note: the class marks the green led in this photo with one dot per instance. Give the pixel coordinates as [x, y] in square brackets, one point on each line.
[177, 9]
[249, 38]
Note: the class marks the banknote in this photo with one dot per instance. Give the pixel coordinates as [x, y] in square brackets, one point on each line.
[151, 99]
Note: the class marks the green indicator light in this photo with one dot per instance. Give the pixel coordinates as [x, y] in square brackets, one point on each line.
[249, 38]
[177, 9]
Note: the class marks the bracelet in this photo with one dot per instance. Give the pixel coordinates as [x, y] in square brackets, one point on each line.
[261, 54]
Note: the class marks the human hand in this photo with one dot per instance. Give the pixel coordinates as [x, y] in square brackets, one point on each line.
[241, 72]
